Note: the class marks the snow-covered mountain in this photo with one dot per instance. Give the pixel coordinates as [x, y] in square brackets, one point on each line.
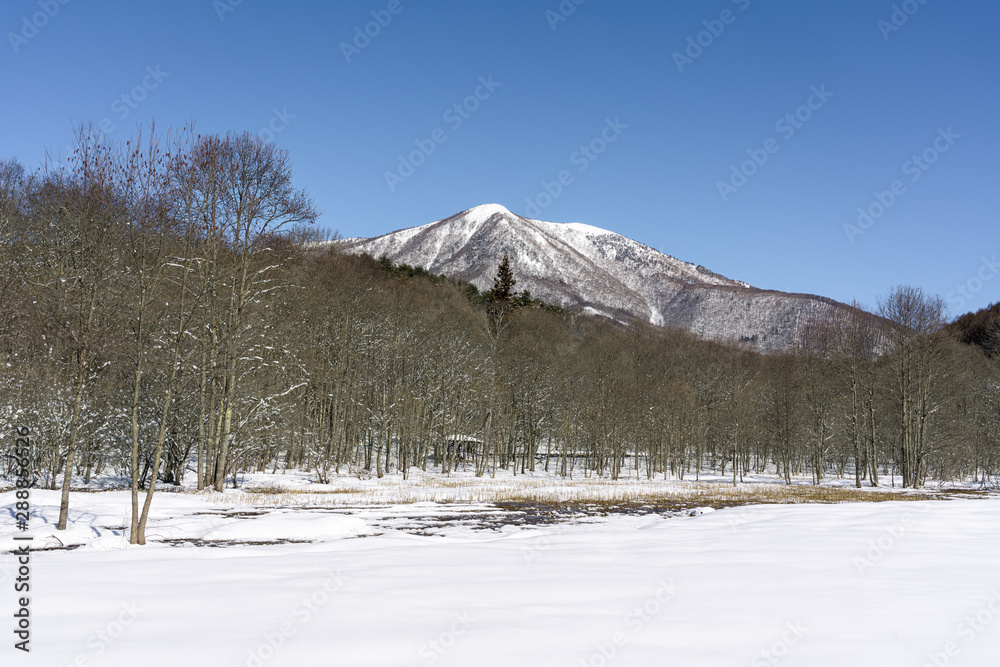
[580, 267]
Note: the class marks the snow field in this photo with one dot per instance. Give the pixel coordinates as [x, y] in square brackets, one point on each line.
[889, 583]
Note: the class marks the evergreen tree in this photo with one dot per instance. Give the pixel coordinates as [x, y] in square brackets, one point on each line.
[500, 300]
[503, 282]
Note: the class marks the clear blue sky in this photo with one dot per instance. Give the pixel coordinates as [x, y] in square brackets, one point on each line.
[559, 82]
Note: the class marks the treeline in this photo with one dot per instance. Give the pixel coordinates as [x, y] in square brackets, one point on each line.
[981, 328]
[167, 312]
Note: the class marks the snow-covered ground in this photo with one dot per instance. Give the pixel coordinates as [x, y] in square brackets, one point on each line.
[226, 583]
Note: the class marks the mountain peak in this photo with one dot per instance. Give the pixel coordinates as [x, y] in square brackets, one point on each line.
[484, 212]
[586, 268]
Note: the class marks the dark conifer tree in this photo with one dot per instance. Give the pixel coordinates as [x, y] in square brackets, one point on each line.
[501, 299]
[503, 282]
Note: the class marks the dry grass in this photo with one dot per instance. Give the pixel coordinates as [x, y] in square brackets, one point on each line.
[593, 493]
[283, 490]
[713, 495]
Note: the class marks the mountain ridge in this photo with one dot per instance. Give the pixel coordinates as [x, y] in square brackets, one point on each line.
[581, 267]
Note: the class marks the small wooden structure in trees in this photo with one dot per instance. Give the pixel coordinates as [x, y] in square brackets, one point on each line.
[459, 446]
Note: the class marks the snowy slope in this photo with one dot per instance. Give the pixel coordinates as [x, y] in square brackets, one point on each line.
[578, 266]
[891, 583]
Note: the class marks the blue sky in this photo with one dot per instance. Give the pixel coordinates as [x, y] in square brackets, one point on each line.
[642, 109]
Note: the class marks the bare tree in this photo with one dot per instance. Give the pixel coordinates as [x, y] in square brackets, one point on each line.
[915, 344]
[75, 272]
[243, 196]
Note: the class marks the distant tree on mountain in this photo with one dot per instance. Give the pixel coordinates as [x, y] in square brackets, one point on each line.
[503, 282]
[500, 300]
[523, 299]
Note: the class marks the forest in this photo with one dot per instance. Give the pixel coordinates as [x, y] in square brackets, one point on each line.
[168, 311]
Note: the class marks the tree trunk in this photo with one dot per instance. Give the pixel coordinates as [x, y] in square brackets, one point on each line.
[74, 429]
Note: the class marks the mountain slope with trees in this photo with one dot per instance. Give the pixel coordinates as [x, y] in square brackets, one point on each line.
[981, 329]
[584, 268]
